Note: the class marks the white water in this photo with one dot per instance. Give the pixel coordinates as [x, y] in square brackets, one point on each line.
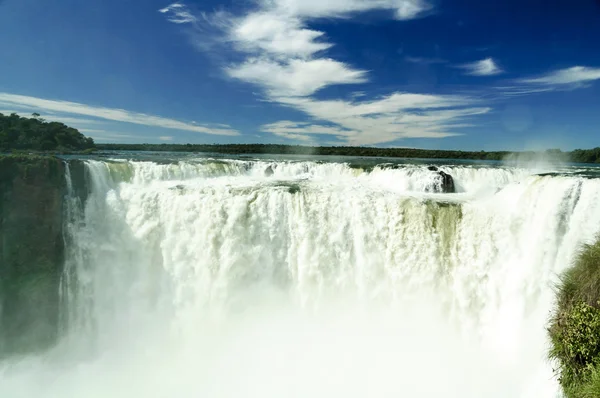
[211, 280]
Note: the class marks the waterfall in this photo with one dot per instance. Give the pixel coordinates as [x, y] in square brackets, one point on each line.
[208, 278]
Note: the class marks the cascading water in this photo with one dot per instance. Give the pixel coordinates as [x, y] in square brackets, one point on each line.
[209, 279]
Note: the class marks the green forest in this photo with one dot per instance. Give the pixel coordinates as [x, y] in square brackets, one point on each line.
[35, 134]
[577, 156]
[22, 133]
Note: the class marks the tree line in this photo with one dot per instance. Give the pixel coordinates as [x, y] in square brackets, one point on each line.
[576, 156]
[34, 133]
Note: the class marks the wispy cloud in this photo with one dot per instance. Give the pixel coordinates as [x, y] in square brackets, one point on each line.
[515, 91]
[93, 131]
[424, 60]
[573, 76]
[178, 13]
[117, 115]
[72, 121]
[286, 59]
[108, 136]
[403, 9]
[285, 128]
[484, 67]
[81, 124]
[398, 116]
[358, 94]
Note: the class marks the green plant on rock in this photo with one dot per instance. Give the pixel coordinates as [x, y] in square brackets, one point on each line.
[575, 326]
[576, 340]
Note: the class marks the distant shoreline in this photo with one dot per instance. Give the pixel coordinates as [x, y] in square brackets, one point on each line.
[34, 135]
[576, 156]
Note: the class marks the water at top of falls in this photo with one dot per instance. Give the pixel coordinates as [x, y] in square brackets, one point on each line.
[206, 277]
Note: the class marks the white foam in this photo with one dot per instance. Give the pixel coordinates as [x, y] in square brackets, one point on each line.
[319, 281]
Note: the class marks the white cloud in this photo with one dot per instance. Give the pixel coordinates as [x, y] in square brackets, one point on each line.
[286, 60]
[404, 9]
[50, 117]
[276, 34]
[411, 9]
[575, 75]
[165, 138]
[70, 120]
[278, 26]
[563, 79]
[118, 115]
[391, 104]
[297, 77]
[485, 67]
[92, 131]
[285, 128]
[178, 13]
[398, 116]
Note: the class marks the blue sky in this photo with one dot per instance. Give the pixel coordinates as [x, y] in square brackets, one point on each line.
[464, 74]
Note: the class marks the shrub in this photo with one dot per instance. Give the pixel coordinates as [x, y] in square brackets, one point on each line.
[575, 326]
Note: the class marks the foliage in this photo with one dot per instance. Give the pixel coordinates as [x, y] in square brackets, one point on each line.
[589, 389]
[309, 150]
[581, 283]
[578, 156]
[576, 343]
[575, 326]
[586, 156]
[21, 133]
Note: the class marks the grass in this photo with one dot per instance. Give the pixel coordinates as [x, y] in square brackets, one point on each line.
[590, 388]
[575, 326]
[581, 283]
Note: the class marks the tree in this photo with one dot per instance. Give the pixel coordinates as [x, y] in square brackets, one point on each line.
[36, 134]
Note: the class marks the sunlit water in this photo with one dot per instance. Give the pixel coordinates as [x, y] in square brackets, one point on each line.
[206, 278]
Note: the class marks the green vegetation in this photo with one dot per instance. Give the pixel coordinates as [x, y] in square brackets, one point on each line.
[21, 133]
[586, 155]
[577, 156]
[575, 326]
[277, 149]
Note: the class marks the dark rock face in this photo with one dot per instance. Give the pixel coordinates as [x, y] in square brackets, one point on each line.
[32, 190]
[269, 171]
[447, 182]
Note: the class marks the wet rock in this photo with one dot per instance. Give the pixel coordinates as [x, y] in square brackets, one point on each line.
[32, 189]
[269, 171]
[447, 183]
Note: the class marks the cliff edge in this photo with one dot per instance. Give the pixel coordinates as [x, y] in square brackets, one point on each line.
[32, 190]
